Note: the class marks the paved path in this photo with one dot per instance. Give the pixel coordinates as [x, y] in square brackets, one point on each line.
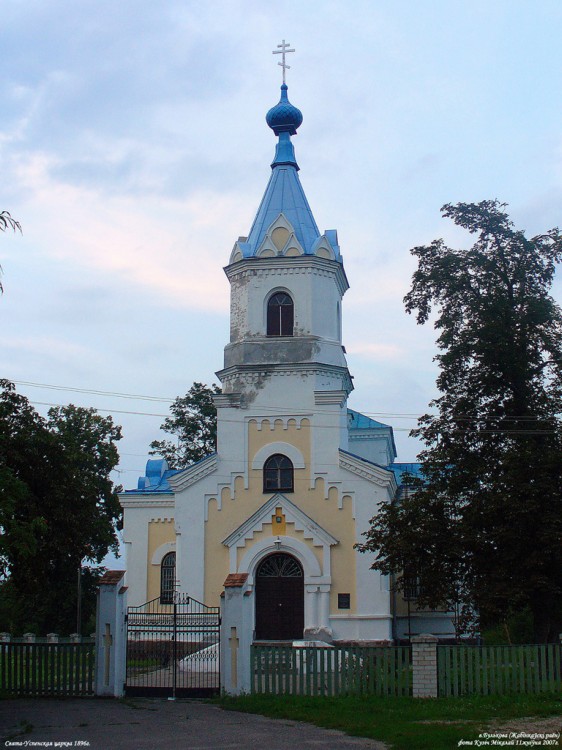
[144, 724]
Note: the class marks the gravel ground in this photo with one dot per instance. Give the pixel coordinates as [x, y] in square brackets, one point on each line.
[143, 724]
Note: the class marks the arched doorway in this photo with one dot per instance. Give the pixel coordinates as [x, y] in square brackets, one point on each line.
[279, 598]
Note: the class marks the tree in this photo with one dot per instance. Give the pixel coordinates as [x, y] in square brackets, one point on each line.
[194, 422]
[58, 507]
[7, 222]
[483, 527]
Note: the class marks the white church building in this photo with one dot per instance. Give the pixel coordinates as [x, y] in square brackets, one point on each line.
[297, 475]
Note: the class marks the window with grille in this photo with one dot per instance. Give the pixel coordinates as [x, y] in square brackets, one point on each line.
[280, 315]
[278, 474]
[411, 586]
[168, 578]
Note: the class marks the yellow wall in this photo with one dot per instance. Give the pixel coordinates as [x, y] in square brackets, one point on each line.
[235, 510]
[160, 531]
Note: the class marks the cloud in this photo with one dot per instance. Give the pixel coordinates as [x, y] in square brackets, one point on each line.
[387, 352]
[40, 345]
[167, 247]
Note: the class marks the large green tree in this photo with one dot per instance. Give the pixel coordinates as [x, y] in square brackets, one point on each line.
[194, 424]
[58, 507]
[483, 528]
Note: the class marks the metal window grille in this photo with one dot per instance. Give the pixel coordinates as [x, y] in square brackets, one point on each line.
[167, 578]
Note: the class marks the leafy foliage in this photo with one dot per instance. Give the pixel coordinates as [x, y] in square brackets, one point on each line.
[483, 528]
[57, 507]
[7, 222]
[194, 423]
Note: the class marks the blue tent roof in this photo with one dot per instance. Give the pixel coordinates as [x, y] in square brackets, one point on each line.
[284, 194]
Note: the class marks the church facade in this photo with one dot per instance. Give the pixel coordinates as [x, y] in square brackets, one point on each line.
[297, 475]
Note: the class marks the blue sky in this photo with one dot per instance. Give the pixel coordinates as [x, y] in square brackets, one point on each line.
[134, 152]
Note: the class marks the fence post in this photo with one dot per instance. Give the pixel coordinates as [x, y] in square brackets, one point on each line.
[5, 637]
[52, 638]
[236, 635]
[29, 637]
[424, 665]
[111, 635]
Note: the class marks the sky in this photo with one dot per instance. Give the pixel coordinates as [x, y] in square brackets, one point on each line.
[135, 152]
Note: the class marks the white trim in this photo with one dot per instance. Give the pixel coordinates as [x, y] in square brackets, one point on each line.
[363, 468]
[285, 449]
[256, 553]
[147, 501]
[361, 617]
[319, 536]
[161, 551]
[194, 473]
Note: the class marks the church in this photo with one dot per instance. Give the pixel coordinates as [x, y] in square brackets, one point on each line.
[297, 475]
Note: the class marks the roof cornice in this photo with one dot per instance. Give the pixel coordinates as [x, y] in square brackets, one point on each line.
[367, 470]
[184, 479]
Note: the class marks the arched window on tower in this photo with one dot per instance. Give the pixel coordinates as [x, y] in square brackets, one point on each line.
[167, 578]
[280, 315]
[278, 474]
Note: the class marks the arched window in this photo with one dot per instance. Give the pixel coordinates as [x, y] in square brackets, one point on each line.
[278, 474]
[280, 315]
[167, 578]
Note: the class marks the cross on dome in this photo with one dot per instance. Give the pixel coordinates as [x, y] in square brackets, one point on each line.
[283, 49]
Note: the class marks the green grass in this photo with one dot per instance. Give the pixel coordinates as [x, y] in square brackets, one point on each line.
[402, 723]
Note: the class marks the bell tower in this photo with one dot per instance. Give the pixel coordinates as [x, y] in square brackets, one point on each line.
[287, 280]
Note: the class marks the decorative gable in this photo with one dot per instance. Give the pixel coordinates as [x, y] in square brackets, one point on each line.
[280, 239]
[291, 513]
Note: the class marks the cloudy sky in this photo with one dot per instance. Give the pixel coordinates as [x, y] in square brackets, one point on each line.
[134, 152]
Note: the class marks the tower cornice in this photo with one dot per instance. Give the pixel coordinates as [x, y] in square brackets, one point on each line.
[288, 266]
[249, 374]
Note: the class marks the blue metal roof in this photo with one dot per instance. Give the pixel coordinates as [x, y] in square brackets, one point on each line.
[358, 421]
[284, 193]
[155, 478]
[157, 475]
[284, 117]
[400, 469]
[365, 460]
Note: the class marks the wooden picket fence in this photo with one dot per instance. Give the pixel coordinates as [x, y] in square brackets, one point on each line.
[47, 669]
[330, 671]
[495, 670]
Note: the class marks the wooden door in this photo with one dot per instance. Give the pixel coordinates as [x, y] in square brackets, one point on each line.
[279, 599]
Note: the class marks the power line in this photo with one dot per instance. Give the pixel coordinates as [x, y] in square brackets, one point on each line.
[96, 392]
[273, 410]
[107, 411]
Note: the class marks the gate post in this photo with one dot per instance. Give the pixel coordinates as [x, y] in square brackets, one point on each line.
[424, 665]
[236, 635]
[111, 635]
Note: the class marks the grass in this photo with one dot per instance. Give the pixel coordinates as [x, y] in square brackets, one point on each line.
[402, 723]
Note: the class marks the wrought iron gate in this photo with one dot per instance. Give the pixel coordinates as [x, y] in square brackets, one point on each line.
[173, 649]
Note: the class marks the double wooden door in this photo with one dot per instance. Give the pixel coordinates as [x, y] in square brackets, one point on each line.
[279, 599]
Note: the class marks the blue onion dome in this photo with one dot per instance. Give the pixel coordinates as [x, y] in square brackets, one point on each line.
[284, 117]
